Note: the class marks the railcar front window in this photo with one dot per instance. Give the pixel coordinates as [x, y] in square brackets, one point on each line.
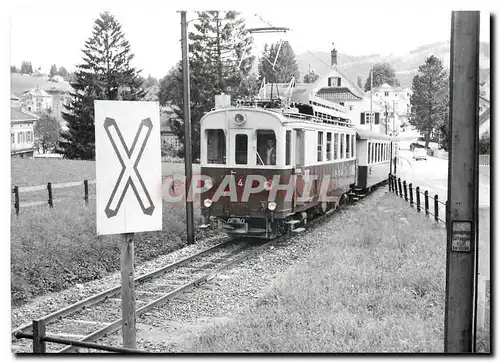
[266, 147]
[216, 146]
[241, 149]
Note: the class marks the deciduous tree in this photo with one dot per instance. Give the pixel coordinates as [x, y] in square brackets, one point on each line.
[429, 101]
[106, 66]
[46, 133]
[382, 73]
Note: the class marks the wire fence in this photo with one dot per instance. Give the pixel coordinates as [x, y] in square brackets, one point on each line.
[405, 191]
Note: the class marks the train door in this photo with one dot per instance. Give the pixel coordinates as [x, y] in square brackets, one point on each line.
[240, 160]
[300, 171]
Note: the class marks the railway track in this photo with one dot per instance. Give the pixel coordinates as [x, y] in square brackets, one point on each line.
[100, 314]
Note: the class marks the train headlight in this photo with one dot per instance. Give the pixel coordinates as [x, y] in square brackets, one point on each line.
[239, 119]
[271, 206]
[207, 203]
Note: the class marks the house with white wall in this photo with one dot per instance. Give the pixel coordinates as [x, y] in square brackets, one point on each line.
[36, 100]
[22, 136]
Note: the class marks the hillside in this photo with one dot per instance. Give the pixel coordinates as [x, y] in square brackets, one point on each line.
[405, 66]
[20, 83]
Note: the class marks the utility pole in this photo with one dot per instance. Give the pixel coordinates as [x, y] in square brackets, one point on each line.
[463, 170]
[371, 97]
[188, 161]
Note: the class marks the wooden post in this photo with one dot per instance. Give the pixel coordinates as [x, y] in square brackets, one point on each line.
[463, 170]
[390, 182]
[411, 194]
[49, 188]
[405, 190]
[86, 191]
[436, 208]
[426, 201]
[188, 161]
[400, 189]
[127, 291]
[417, 192]
[39, 346]
[16, 199]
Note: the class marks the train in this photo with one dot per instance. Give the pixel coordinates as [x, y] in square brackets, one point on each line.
[271, 165]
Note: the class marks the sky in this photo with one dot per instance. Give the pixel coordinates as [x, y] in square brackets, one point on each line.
[53, 32]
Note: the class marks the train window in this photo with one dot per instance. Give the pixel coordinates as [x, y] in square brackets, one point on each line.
[353, 148]
[216, 146]
[373, 153]
[335, 146]
[328, 146]
[347, 146]
[241, 149]
[288, 147]
[342, 152]
[320, 145]
[369, 152]
[266, 147]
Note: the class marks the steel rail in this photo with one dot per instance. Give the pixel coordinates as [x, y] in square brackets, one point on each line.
[94, 299]
[115, 325]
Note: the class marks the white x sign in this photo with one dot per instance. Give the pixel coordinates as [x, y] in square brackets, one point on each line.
[129, 159]
[128, 167]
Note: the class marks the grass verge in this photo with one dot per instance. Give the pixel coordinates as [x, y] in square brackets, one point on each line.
[373, 284]
[52, 249]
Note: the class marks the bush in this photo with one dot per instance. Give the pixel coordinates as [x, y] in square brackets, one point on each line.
[484, 144]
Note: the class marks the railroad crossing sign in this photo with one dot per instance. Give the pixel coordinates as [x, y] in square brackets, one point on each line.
[128, 167]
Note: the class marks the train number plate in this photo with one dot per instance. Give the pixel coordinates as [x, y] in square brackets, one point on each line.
[236, 220]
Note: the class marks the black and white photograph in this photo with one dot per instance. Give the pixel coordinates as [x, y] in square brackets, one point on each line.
[248, 177]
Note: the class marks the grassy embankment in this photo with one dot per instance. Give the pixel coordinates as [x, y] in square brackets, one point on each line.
[52, 249]
[376, 284]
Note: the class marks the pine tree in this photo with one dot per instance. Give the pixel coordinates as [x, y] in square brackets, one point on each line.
[63, 72]
[106, 66]
[219, 62]
[53, 70]
[286, 65]
[382, 73]
[429, 101]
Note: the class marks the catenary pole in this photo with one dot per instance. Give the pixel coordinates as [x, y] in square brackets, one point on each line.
[188, 160]
[463, 163]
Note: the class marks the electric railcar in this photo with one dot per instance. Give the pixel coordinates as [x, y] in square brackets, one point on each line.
[271, 168]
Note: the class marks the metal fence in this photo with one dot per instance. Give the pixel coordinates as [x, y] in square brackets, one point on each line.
[405, 191]
[40, 339]
[484, 160]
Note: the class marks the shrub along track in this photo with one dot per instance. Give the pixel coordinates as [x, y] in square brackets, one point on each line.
[89, 319]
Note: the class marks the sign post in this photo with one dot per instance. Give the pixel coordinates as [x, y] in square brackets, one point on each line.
[128, 185]
[463, 170]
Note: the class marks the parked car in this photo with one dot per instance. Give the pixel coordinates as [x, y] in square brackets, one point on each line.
[415, 145]
[420, 153]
